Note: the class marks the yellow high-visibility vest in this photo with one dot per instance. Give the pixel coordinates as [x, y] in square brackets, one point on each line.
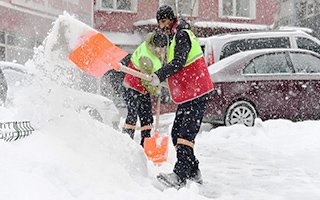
[195, 51]
[143, 50]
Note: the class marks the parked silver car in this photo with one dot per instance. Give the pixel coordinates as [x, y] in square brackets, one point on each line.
[218, 47]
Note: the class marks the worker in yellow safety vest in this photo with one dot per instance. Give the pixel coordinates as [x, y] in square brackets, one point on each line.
[147, 58]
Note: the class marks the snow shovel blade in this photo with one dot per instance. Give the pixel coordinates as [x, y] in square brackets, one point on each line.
[11, 131]
[97, 55]
[156, 148]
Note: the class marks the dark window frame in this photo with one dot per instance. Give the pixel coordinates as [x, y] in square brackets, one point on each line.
[315, 46]
[252, 44]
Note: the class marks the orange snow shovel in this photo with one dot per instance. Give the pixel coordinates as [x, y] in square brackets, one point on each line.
[97, 55]
[156, 147]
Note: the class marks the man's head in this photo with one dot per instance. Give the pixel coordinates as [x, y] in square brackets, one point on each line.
[156, 42]
[165, 18]
[159, 39]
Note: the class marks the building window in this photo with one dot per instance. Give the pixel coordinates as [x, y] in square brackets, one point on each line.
[237, 9]
[2, 46]
[306, 9]
[310, 9]
[2, 38]
[182, 7]
[20, 41]
[117, 5]
[2, 53]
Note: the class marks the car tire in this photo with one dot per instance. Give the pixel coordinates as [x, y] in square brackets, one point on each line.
[241, 112]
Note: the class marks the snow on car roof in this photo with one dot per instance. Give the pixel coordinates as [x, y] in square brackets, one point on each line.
[304, 29]
[248, 34]
[232, 25]
[12, 65]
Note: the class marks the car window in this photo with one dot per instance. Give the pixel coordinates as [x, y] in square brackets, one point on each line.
[254, 43]
[231, 48]
[263, 43]
[306, 43]
[268, 64]
[305, 63]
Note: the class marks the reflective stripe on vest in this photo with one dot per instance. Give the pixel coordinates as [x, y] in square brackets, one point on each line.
[195, 51]
[143, 50]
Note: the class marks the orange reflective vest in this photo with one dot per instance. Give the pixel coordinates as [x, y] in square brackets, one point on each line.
[194, 79]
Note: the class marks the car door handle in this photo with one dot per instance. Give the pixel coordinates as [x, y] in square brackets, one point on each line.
[255, 85]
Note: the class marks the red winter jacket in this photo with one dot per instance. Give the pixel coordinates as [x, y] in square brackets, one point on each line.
[134, 82]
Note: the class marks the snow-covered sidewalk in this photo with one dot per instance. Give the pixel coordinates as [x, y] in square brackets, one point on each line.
[76, 157]
[71, 156]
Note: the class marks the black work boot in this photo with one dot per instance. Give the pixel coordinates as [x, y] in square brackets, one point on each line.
[171, 180]
[144, 134]
[196, 176]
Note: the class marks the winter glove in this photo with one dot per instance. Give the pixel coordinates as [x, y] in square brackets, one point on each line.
[155, 80]
[152, 89]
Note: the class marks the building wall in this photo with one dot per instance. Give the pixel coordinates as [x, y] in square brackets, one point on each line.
[121, 21]
[143, 19]
[208, 10]
[265, 12]
[147, 10]
[114, 22]
[24, 24]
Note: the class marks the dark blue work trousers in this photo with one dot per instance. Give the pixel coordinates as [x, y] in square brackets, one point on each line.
[139, 105]
[186, 126]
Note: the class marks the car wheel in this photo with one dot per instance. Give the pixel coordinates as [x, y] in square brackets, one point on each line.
[241, 112]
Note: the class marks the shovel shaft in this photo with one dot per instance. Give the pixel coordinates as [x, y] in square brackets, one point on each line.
[158, 112]
[137, 74]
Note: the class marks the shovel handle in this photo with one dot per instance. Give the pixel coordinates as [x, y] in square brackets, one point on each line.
[158, 112]
[137, 74]
[134, 72]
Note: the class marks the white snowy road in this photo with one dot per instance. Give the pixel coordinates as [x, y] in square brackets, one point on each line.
[70, 156]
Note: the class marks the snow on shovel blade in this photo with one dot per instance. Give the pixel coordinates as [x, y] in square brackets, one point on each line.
[11, 131]
[97, 55]
[156, 148]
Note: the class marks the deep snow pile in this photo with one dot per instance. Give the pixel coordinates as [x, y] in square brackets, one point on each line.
[70, 156]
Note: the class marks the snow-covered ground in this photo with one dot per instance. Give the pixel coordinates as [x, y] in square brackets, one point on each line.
[71, 156]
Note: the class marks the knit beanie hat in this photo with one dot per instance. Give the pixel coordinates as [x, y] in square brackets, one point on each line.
[165, 12]
[159, 39]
